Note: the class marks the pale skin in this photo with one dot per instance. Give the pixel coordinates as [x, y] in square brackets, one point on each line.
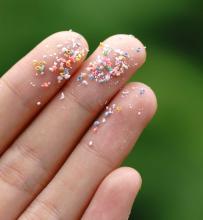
[53, 164]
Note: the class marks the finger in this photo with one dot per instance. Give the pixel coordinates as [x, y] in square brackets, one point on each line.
[99, 152]
[115, 196]
[44, 145]
[30, 83]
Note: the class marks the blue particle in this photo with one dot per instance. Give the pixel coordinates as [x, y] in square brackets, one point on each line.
[79, 78]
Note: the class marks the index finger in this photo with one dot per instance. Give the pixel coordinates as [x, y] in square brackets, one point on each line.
[35, 79]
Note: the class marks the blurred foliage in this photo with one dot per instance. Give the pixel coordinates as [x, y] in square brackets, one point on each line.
[169, 155]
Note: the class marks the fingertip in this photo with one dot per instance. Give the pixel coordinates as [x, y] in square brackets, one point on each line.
[123, 179]
[129, 43]
[150, 100]
[144, 97]
[129, 177]
[115, 195]
[38, 76]
[62, 36]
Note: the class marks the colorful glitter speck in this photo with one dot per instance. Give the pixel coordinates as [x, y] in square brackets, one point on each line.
[107, 113]
[142, 91]
[39, 67]
[67, 54]
[111, 63]
[70, 54]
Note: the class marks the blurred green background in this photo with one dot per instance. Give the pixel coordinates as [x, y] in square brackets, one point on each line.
[169, 155]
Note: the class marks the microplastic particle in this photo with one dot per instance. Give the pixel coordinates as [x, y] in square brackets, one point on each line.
[69, 53]
[45, 84]
[124, 93]
[59, 45]
[32, 84]
[138, 49]
[84, 82]
[90, 143]
[111, 63]
[104, 120]
[109, 110]
[130, 106]
[142, 91]
[62, 96]
[96, 123]
[39, 66]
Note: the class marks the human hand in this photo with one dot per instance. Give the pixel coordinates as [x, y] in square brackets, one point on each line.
[60, 146]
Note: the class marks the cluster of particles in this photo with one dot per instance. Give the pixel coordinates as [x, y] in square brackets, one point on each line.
[107, 113]
[111, 63]
[110, 110]
[39, 67]
[108, 64]
[69, 53]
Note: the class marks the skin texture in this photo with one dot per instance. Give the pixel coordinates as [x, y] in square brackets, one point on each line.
[57, 166]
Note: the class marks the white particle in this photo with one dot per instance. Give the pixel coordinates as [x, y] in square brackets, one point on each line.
[51, 69]
[90, 143]
[59, 45]
[96, 123]
[32, 84]
[130, 106]
[39, 103]
[124, 93]
[107, 77]
[84, 82]
[67, 76]
[64, 49]
[104, 120]
[59, 78]
[62, 96]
